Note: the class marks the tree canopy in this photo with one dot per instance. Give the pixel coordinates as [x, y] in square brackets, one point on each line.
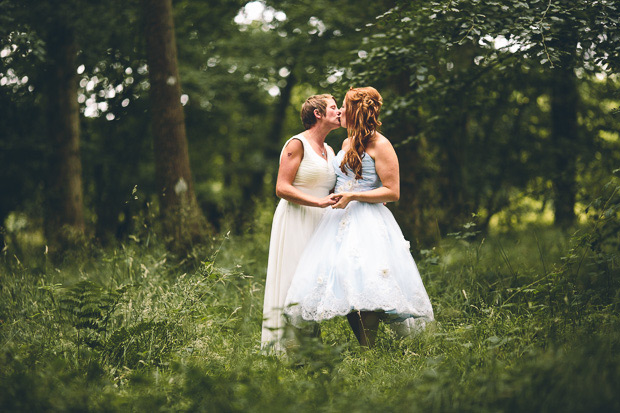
[497, 109]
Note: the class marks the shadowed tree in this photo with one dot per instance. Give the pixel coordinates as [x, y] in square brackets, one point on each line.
[183, 219]
[564, 99]
[65, 218]
[46, 35]
[47, 42]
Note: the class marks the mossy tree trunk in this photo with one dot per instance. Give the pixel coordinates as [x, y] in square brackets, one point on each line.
[184, 222]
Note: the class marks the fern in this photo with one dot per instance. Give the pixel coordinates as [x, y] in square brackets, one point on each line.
[88, 308]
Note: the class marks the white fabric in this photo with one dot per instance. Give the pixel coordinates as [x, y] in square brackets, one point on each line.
[358, 260]
[292, 226]
[364, 264]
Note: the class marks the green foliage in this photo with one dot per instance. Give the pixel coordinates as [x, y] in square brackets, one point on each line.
[89, 308]
[472, 105]
[147, 343]
[467, 87]
[526, 321]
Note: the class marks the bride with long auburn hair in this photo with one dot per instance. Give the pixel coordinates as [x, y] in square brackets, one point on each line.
[363, 112]
[365, 270]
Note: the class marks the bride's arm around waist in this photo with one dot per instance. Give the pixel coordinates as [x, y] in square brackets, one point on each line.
[386, 164]
[289, 165]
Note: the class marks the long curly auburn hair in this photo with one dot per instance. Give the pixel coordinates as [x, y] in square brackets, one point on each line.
[362, 114]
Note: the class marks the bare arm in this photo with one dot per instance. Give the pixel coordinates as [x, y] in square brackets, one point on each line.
[386, 164]
[289, 164]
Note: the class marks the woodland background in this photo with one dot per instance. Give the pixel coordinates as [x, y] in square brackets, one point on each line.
[139, 145]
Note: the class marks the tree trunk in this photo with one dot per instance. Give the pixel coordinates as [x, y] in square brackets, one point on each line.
[408, 209]
[275, 137]
[65, 215]
[564, 138]
[184, 222]
[455, 167]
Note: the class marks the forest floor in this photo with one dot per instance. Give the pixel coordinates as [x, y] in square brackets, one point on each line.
[525, 321]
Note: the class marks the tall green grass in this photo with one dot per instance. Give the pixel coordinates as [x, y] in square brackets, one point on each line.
[526, 321]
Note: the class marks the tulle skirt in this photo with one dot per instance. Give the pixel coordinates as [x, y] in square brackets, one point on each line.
[358, 260]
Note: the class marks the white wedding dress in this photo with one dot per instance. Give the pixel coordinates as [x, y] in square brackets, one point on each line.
[292, 227]
[358, 260]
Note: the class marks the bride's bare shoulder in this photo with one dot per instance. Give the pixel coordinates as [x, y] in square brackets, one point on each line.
[379, 141]
[345, 144]
[379, 138]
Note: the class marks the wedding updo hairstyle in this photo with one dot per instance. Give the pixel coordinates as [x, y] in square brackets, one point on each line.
[362, 114]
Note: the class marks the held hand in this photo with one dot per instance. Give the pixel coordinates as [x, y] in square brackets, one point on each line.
[345, 198]
[329, 200]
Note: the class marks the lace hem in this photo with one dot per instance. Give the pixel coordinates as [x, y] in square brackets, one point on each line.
[322, 305]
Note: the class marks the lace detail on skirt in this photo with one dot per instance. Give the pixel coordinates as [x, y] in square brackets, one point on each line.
[323, 304]
[358, 260]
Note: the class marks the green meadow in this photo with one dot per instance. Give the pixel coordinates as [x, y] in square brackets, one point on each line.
[526, 320]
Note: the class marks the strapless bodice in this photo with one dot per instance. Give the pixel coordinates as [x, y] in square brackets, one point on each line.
[346, 182]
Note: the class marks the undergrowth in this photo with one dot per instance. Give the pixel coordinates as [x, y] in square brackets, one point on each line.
[526, 321]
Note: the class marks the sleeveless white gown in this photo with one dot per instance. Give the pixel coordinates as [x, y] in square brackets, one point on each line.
[292, 227]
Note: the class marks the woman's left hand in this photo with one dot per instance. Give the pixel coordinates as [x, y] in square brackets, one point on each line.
[345, 198]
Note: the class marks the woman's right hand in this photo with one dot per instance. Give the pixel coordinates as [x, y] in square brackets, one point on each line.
[329, 200]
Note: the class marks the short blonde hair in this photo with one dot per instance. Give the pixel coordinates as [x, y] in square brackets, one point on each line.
[318, 102]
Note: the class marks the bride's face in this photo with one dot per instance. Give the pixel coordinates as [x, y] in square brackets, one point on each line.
[343, 114]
